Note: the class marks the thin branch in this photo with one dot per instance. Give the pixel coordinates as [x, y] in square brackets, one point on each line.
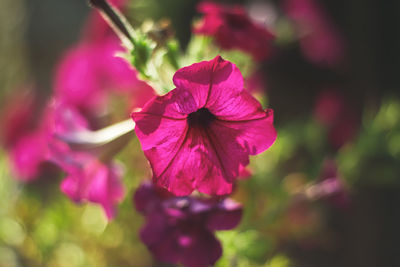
[117, 20]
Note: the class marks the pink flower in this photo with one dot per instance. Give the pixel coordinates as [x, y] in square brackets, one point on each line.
[28, 155]
[320, 41]
[232, 28]
[89, 72]
[88, 179]
[200, 135]
[91, 180]
[181, 229]
[18, 117]
[29, 152]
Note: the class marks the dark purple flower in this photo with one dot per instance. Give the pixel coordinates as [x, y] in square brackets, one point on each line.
[181, 229]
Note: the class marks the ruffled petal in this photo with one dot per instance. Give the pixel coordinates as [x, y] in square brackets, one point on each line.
[200, 160]
[254, 135]
[209, 81]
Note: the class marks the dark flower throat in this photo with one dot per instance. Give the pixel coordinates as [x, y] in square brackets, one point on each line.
[201, 118]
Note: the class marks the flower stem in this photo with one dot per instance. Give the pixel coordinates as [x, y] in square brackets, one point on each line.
[118, 22]
[84, 140]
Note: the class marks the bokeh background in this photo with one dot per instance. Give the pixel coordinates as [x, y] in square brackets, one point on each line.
[284, 223]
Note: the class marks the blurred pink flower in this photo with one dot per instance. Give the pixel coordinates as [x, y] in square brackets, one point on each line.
[91, 70]
[334, 112]
[88, 179]
[29, 151]
[320, 41]
[200, 135]
[232, 28]
[181, 229]
[91, 180]
[18, 117]
[28, 155]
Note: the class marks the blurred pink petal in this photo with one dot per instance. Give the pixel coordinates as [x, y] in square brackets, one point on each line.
[232, 28]
[94, 182]
[320, 41]
[18, 117]
[27, 156]
[334, 112]
[91, 71]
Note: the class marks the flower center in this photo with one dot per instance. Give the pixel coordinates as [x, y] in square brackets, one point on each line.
[202, 117]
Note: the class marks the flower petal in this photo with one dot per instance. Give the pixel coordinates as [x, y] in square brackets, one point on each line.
[210, 80]
[201, 161]
[226, 216]
[202, 250]
[160, 123]
[254, 135]
[239, 106]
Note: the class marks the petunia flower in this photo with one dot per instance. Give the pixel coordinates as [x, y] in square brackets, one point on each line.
[91, 70]
[28, 155]
[17, 117]
[200, 135]
[29, 152]
[181, 229]
[320, 41]
[232, 28]
[32, 150]
[88, 179]
[91, 180]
